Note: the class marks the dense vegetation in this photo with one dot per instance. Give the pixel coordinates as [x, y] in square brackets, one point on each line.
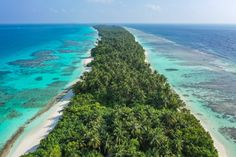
[123, 108]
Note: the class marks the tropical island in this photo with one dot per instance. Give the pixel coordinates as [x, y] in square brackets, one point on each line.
[124, 108]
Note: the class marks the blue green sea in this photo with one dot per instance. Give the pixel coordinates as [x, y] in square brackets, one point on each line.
[37, 62]
[199, 61]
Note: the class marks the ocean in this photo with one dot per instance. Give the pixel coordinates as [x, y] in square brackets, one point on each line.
[37, 63]
[199, 62]
[40, 61]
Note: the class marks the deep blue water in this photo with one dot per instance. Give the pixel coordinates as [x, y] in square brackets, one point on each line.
[37, 62]
[14, 38]
[216, 39]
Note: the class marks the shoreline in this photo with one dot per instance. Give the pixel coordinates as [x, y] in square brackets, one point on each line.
[55, 108]
[10, 143]
[35, 135]
[55, 101]
[217, 144]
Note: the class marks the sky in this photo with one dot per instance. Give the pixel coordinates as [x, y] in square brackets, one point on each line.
[118, 11]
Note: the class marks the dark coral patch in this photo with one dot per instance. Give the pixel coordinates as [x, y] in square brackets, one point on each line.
[27, 63]
[69, 43]
[66, 51]
[2, 104]
[40, 54]
[69, 70]
[229, 133]
[5, 72]
[40, 78]
[38, 59]
[13, 114]
[55, 78]
[171, 69]
[57, 84]
[32, 103]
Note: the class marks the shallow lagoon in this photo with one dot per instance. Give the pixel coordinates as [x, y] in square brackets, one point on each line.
[37, 63]
[206, 82]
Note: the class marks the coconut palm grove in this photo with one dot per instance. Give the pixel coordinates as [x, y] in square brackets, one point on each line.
[124, 108]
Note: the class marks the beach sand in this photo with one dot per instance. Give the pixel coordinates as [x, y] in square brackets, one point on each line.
[218, 145]
[31, 140]
[88, 60]
[34, 136]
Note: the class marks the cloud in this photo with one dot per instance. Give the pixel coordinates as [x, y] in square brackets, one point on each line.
[153, 7]
[101, 1]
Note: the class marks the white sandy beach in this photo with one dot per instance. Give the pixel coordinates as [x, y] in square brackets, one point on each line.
[88, 60]
[32, 138]
[219, 146]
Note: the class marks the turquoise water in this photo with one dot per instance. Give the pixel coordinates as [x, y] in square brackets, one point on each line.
[205, 80]
[37, 63]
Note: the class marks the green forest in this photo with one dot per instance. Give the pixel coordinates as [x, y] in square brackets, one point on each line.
[122, 108]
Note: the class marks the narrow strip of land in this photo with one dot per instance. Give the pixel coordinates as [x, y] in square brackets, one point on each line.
[123, 108]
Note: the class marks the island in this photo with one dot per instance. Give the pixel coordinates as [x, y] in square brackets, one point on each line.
[124, 108]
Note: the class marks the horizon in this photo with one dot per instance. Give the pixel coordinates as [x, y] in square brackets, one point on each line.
[72, 71]
[118, 11]
[78, 23]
